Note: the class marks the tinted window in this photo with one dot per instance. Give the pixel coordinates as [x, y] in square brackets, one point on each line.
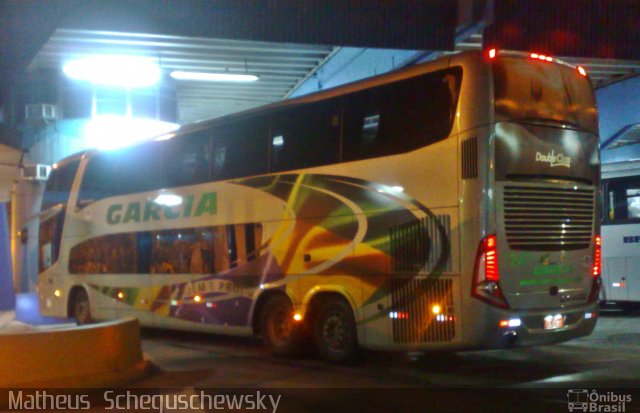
[112, 254]
[59, 185]
[622, 200]
[50, 236]
[400, 116]
[529, 89]
[305, 136]
[206, 250]
[121, 172]
[240, 149]
[187, 159]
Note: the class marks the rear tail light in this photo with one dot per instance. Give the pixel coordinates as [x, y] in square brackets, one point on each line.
[486, 274]
[596, 270]
[597, 257]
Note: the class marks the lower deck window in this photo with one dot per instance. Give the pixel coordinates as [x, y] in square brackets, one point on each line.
[206, 250]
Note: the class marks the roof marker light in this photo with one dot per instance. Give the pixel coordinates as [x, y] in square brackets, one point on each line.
[542, 57]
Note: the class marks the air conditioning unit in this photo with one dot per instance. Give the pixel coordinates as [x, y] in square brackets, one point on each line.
[36, 172]
[40, 111]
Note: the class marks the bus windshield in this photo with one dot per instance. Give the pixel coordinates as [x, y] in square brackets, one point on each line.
[526, 89]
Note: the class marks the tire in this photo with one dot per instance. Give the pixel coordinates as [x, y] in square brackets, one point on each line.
[81, 308]
[335, 332]
[278, 328]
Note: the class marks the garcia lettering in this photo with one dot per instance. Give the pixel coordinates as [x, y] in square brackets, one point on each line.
[148, 211]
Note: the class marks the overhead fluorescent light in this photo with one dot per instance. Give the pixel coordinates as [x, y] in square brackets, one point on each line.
[122, 71]
[213, 77]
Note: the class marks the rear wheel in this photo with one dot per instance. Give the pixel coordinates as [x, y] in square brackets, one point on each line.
[80, 308]
[278, 328]
[335, 332]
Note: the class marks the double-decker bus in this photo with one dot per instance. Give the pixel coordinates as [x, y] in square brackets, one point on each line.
[621, 234]
[449, 205]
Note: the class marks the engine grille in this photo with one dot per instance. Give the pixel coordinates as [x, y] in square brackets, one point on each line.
[548, 219]
[412, 317]
[420, 245]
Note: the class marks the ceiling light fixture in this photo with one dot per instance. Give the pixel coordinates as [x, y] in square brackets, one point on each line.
[213, 77]
[122, 71]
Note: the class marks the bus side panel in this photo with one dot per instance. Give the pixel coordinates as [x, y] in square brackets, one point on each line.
[477, 219]
[411, 295]
[620, 262]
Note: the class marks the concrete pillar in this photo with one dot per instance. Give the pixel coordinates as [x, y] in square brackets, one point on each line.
[7, 296]
[26, 200]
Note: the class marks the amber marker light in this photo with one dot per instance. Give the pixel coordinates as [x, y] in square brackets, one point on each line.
[582, 71]
[297, 317]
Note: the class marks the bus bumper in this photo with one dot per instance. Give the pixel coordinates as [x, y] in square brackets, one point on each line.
[531, 328]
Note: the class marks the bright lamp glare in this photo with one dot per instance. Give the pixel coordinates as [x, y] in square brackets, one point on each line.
[113, 132]
[123, 71]
[213, 77]
[169, 200]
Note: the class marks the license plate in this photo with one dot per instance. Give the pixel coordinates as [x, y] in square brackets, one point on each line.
[553, 322]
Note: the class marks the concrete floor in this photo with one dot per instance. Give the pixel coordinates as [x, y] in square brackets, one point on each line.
[534, 379]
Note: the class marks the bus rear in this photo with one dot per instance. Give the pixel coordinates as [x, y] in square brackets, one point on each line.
[537, 265]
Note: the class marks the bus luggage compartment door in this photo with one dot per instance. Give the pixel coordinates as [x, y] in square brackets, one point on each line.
[615, 278]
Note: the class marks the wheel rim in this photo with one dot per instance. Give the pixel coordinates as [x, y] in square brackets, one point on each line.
[335, 332]
[279, 327]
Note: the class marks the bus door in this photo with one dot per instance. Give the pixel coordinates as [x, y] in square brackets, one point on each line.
[134, 286]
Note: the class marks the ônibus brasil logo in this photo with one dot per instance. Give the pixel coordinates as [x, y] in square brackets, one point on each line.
[553, 159]
[583, 400]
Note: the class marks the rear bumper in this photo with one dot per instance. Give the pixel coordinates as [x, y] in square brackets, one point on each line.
[578, 322]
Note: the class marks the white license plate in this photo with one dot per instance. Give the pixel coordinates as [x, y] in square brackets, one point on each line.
[553, 322]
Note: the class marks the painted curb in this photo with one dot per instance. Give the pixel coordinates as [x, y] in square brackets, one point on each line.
[99, 355]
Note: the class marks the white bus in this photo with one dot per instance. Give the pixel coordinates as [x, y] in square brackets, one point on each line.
[449, 205]
[621, 234]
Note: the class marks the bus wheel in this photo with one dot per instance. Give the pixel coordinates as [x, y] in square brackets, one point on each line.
[278, 330]
[81, 309]
[335, 332]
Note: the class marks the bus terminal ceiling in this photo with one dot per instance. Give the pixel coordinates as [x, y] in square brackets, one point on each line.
[300, 47]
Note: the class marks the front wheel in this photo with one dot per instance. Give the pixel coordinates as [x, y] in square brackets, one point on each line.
[335, 332]
[80, 308]
[278, 329]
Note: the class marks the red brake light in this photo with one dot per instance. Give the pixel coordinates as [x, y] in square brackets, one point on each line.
[491, 259]
[492, 53]
[597, 256]
[486, 275]
[596, 270]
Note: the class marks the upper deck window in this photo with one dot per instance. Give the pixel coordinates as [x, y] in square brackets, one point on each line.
[400, 116]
